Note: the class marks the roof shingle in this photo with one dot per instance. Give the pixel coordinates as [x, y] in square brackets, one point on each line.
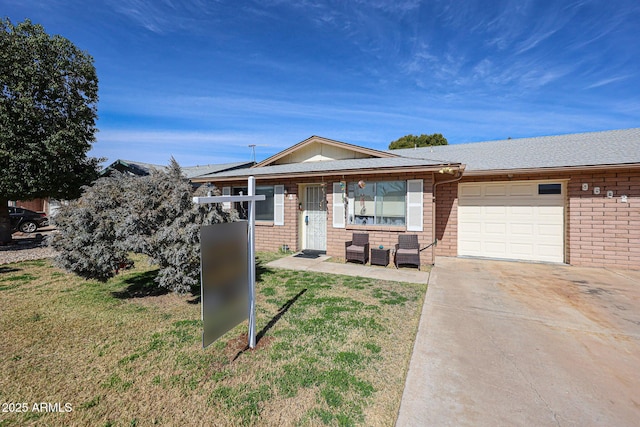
[328, 167]
[614, 147]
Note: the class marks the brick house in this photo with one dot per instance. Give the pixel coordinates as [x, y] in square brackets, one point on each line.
[571, 199]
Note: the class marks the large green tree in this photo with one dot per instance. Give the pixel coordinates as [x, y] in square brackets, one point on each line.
[411, 141]
[48, 109]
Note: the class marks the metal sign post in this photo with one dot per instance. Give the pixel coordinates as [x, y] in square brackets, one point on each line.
[251, 241]
[251, 198]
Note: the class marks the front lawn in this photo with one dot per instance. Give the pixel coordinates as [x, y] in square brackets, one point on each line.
[332, 350]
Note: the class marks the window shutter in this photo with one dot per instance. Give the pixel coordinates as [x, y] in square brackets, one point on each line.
[338, 206]
[414, 205]
[226, 191]
[278, 205]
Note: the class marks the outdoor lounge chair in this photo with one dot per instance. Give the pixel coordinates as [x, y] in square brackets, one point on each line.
[407, 250]
[357, 249]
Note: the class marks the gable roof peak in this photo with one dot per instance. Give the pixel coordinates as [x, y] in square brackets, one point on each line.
[315, 139]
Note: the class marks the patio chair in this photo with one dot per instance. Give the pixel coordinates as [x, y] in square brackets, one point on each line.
[357, 249]
[407, 250]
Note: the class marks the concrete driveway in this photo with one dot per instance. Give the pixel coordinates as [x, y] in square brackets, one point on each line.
[503, 343]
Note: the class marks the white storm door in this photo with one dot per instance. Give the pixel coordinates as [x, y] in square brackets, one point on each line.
[315, 220]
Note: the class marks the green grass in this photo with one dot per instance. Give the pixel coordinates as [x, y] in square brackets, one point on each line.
[332, 350]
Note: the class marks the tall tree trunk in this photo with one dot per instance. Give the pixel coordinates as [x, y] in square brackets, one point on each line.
[5, 222]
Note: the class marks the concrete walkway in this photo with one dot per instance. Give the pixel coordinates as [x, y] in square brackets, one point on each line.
[320, 264]
[516, 344]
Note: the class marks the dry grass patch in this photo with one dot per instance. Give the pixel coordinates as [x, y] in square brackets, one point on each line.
[332, 350]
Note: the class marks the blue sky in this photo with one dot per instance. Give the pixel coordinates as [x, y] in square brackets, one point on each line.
[200, 80]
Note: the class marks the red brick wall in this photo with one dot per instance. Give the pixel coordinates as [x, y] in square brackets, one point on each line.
[38, 205]
[270, 237]
[447, 219]
[386, 236]
[600, 232]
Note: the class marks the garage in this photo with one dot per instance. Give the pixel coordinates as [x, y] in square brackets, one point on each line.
[519, 220]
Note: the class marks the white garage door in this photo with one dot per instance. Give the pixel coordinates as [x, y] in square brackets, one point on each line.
[521, 220]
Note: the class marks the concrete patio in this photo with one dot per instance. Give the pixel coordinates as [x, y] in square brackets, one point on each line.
[321, 264]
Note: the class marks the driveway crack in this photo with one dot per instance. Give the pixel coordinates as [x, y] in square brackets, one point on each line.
[529, 383]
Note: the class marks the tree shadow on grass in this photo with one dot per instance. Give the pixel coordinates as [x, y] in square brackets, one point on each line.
[140, 286]
[273, 321]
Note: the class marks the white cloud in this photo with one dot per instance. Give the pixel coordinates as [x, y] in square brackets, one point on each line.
[534, 40]
[608, 81]
[229, 140]
[188, 147]
[164, 16]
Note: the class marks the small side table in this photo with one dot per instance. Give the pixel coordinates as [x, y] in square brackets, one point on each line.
[379, 256]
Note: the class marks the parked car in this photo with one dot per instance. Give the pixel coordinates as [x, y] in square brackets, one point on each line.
[25, 220]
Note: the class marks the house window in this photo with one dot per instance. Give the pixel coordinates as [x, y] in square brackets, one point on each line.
[264, 210]
[549, 188]
[377, 203]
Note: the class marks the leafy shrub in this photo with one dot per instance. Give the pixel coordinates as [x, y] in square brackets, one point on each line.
[152, 215]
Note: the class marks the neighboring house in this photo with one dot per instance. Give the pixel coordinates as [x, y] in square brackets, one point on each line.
[48, 206]
[36, 205]
[132, 168]
[569, 199]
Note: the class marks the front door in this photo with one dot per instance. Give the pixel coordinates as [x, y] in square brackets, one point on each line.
[315, 220]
